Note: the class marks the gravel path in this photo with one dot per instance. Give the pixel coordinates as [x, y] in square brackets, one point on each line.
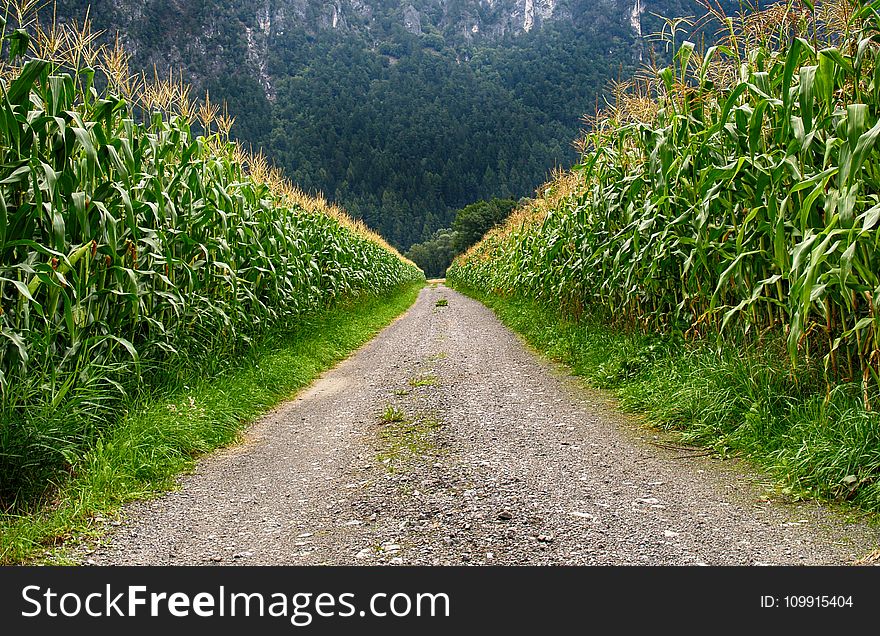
[501, 458]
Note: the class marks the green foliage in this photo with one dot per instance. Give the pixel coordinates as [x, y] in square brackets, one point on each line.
[742, 203]
[435, 254]
[474, 220]
[392, 414]
[127, 246]
[404, 145]
[471, 222]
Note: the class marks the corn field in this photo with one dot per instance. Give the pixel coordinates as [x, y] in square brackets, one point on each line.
[128, 241]
[735, 191]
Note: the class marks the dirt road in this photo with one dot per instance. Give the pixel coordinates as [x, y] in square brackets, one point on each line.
[445, 441]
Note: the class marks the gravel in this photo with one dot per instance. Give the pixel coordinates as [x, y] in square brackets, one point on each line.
[502, 458]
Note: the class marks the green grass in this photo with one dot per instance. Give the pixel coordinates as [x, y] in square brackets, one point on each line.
[392, 414]
[161, 436]
[738, 399]
[424, 380]
[407, 439]
[442, 302]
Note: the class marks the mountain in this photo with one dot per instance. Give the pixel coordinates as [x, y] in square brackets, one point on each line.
[402, 112]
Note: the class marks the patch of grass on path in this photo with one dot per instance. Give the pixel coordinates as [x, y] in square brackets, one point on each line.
[738, 399]
[160, 437]
[424, 380]
[404, 440]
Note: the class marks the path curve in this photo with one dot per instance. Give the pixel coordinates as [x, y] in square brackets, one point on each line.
[502, 458]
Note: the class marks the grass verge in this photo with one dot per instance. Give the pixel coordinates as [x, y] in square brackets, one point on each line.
[159, 437]
[738, 399]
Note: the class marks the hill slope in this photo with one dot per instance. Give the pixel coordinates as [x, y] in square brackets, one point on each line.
[400, 111]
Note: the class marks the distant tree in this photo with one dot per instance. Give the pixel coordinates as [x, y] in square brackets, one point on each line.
[434, 255]
[474, 220]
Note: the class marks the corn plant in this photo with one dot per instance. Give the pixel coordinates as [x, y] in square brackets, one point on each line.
[128, 242]
[735, 191]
